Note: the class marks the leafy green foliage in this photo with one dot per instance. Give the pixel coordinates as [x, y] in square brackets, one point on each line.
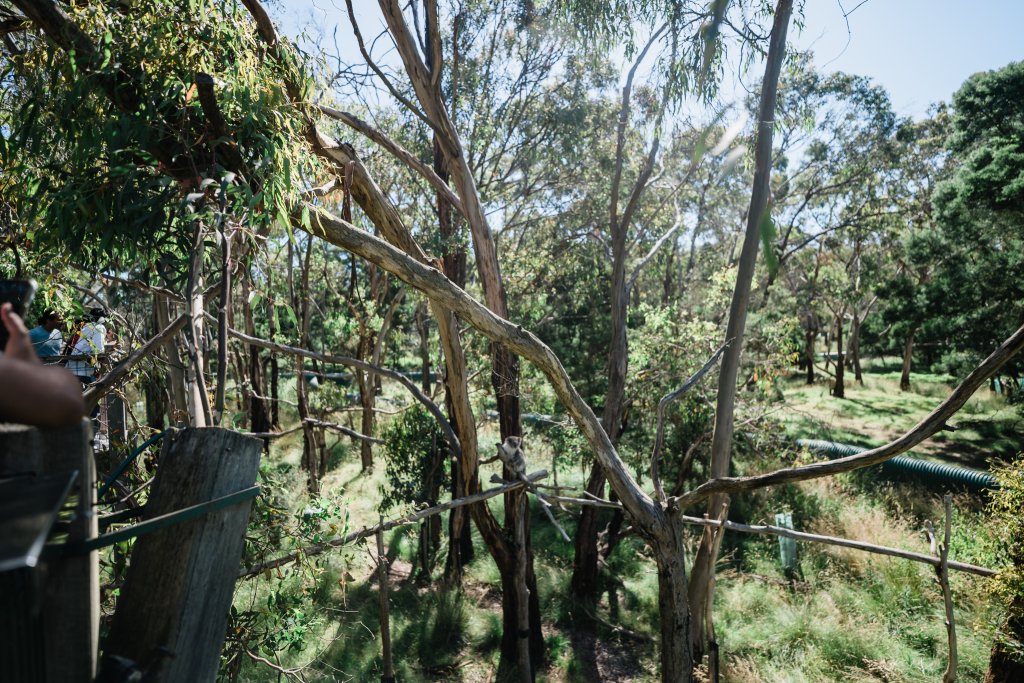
[1005, 506]
[414, 456]
[112, 178]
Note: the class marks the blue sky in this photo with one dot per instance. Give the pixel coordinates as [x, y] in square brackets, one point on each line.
[919, 50]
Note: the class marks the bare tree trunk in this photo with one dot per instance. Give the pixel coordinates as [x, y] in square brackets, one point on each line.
[367, 403]
[810, 335]
[908, 353]
[259, 420]
[275, 370]
[668, 283]
[677, 659]
[423, 330]
[222, 327]
[523, 660]
[178, 403]
[700, 591]
[460, 539]
[585, 582]
[426, 81]
[839, 391]
[586, 565]
[858, 374]
[154, 385]
[300, 304]
[199, 402]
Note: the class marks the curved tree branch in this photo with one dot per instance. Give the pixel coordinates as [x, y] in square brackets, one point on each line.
[399, 152]
[931, 424]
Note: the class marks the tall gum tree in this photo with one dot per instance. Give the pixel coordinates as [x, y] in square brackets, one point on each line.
[702, 579]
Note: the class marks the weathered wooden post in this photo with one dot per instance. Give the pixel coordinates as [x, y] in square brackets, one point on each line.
[522, 592]
[388, 673]
[69, 586]
[177, 594]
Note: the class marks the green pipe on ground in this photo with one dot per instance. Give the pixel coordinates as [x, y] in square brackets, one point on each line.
[904, 465]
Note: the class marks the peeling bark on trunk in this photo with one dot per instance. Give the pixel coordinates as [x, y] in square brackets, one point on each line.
[677, 660]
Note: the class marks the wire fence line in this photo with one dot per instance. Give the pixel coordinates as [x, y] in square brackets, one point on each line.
[533, 478]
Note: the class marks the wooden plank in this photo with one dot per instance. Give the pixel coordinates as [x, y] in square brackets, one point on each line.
[180, 581]
[70, 593]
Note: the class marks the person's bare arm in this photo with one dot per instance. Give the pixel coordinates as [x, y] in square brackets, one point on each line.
[30, 392]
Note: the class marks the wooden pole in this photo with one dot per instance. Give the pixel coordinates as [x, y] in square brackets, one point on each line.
[70, 603]
[942, 571]
[713, 661]
[385, 621]
[522, 593]
[177, 594]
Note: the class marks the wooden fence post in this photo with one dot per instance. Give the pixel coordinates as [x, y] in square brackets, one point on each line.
[388, 675]
[70, 603]
[177, 594]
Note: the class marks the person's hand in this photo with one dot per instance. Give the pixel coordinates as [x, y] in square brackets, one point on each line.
[19, 344]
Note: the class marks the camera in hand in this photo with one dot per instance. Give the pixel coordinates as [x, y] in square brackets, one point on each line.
[19, 294]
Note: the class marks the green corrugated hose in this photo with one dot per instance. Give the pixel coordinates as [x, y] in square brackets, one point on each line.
[901, 464]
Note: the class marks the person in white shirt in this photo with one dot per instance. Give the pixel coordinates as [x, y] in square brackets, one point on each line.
[91, 340]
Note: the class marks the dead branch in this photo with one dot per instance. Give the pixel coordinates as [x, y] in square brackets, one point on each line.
[342, 429]
[143, 287]
[399, 152]
[942, 575]
[98, 390]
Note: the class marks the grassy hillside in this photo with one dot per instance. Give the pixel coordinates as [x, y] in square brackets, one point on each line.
[846, 615]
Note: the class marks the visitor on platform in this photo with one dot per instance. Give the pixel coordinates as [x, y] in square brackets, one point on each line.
[88, 347]
[46, 336]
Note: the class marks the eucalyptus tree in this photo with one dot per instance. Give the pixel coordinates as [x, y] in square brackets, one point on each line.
[658, 522]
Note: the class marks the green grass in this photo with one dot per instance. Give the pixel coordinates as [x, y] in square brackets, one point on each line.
[853, 617]
[877, 411]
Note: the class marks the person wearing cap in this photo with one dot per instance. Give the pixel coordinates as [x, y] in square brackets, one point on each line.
[46, 337]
